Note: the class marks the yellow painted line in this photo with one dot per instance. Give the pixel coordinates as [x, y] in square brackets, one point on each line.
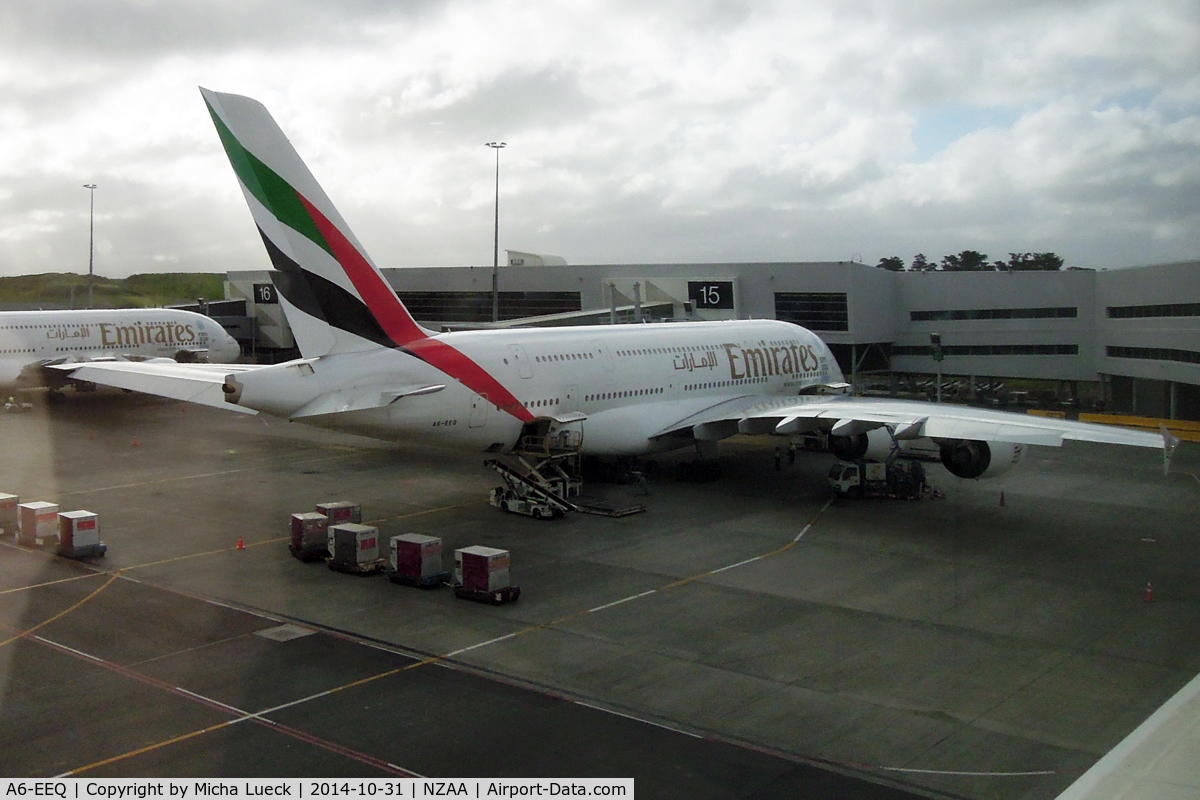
[246, 546]
[419, 513]
[51, 583]
[148, 748]
[62, 613]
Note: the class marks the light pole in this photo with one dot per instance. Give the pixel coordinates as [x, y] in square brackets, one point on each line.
[91, 187]
[496, 244]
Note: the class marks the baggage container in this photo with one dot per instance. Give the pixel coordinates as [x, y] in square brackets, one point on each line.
[9, 520]
[415, 555]
[79, 534]
[310, 536]
[481, 569]
[416, 560]
[341, 511]
[354, 548]
[39, 523]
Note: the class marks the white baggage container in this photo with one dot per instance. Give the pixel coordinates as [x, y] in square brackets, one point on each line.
[482, 569]
[39, 523]
[9, 520]
[351, 544]
[340, 511]
[414, 555]
[78, 529]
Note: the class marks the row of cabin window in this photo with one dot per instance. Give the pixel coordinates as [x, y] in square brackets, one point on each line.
[18, 351]
[714, 384]
[64, 325]
[564, 357]
[699, 348]
[627, 393]
[666, 351]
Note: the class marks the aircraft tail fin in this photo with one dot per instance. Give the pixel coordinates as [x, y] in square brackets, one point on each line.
[335, 298]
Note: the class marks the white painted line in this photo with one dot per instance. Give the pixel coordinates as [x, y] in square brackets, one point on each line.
[69, 649]
[824, 508]
[406, 770]
[150, 483]
[481, 644]
[638, 719]
[618, 602]
[738, 564]
[209, 700]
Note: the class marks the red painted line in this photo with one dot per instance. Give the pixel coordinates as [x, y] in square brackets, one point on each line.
[215, 705]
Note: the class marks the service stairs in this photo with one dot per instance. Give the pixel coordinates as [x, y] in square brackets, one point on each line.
[548, 468]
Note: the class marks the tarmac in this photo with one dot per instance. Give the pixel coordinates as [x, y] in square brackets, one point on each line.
[745, 637]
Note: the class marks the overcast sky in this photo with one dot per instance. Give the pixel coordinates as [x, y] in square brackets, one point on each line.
[668, 131]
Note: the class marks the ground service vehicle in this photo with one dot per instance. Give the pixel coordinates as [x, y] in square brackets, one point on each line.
[898, 478]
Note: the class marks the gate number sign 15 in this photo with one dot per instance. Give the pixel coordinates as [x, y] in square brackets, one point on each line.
[711, 294]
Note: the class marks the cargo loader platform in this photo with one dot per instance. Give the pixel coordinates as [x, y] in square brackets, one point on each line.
[427, 582]
[360, 569]
[509, 594]
[600, 508]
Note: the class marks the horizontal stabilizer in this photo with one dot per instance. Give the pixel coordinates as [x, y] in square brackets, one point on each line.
[191, 383]
[362, 398]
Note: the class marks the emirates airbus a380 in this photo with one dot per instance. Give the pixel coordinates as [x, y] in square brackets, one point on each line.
[369, 368]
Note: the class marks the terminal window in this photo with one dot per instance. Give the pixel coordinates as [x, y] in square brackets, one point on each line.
[818, 311]
[477, 306]
[1167, 310]
[1154, 354]
[989, 350]
[995, 313]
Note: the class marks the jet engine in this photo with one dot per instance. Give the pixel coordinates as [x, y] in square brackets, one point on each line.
[966, 458]
[874, 445]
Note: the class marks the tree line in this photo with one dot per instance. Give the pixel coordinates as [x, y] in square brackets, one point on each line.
[974, 261]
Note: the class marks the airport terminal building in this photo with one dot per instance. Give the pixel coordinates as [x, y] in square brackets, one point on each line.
[1129, 336]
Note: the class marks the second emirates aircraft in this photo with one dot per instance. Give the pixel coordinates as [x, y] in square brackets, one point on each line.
[369, 368]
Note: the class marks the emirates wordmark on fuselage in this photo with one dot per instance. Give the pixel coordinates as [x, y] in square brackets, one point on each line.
[369, 368]
[31, 340]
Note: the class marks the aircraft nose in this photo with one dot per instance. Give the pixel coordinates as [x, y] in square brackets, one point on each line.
[230, 350]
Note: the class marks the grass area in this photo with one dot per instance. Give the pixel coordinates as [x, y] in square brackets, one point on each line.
[137, 291]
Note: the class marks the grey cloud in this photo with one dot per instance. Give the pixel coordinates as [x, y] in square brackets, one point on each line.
[79, 29]
[513, 101]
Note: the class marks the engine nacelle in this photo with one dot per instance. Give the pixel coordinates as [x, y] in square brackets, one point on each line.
[966, 458]
[874, 445]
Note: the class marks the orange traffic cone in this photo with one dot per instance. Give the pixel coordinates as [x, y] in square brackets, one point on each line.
[1002, 498]
[1149, 593]
[135, 441]
[91, 435]
[241, 544]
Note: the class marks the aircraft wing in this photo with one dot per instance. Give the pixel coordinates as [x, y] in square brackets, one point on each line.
[910, 419]
[192, 383]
